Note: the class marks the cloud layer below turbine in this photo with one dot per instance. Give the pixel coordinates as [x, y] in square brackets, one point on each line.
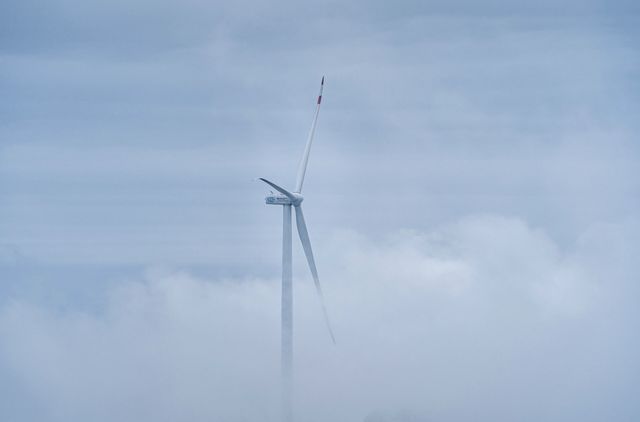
[483, 319]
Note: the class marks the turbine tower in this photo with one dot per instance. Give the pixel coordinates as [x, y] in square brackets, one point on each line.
[288, 199]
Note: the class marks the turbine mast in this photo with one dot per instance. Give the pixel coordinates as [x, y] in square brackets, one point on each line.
[287, 317]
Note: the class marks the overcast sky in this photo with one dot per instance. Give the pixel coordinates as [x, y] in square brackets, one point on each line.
[472, 197]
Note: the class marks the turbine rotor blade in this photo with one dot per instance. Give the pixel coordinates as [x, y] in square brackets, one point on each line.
[302, 168]
[306, 245]
[279, 189]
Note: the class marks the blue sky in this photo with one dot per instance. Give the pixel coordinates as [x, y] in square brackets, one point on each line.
[485, 153]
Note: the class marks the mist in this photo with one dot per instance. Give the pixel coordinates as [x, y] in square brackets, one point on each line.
[472, 199]
[485, 318]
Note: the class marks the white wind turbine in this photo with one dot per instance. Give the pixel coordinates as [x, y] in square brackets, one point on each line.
[288, 199]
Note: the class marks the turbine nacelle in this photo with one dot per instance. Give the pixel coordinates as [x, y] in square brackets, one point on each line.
[276, 199]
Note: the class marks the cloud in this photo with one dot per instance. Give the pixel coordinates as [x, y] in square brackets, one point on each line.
[486, 318]
[149, 159]
[129, 137]
[145, 27]
[167, 348]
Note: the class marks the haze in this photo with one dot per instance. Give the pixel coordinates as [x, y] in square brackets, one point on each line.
[472, 198]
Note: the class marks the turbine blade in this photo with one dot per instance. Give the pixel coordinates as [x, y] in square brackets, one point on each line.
[279, 189]
[306, 245]
[302, 168]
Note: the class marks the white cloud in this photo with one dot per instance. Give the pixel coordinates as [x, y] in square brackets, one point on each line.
[484, 319]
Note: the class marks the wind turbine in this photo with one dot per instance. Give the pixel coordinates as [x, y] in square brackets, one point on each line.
[288, 199]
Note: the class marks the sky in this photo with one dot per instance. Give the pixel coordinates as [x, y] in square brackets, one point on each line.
[472, 199]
